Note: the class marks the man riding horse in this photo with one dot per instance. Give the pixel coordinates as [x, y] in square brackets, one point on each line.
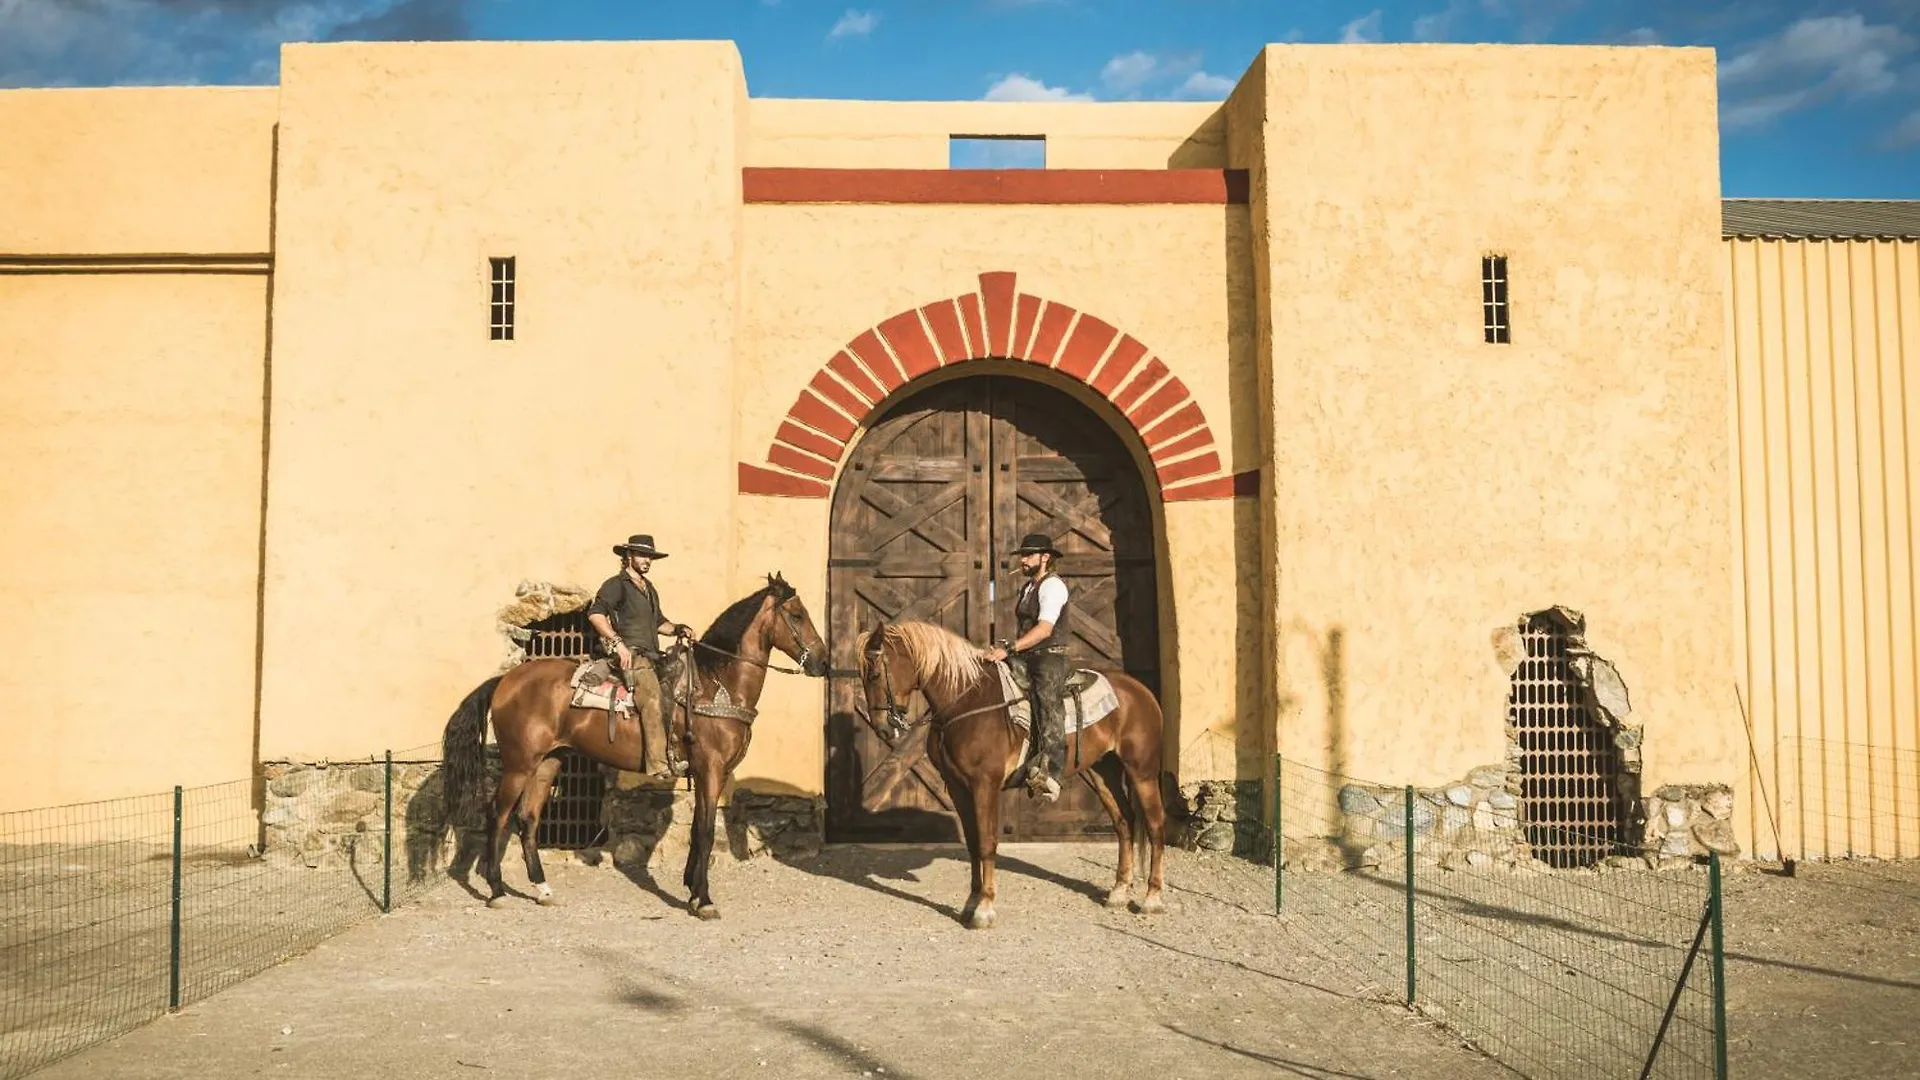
[626, 612]
[1041, 613]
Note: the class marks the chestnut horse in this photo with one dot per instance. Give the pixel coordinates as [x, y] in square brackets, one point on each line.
[532, 718]
[977, 748]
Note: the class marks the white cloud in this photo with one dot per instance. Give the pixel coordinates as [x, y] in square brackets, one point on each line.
[1904, 134]
[147, 42]
[1202, 85]
[854, 24]
[1026, 88]
[1130, 71]
[1364, 28]
[1644, 35]
[1813, 61]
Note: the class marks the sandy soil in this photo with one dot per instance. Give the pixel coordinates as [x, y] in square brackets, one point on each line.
[852, 964]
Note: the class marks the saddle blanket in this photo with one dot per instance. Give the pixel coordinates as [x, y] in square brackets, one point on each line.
[596, 686]
[1096, 701]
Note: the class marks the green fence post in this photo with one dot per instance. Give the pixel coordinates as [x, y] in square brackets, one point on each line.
[386, 844]
[173, 936]
[1719, 967]
[1409, 837]
[1279, 845]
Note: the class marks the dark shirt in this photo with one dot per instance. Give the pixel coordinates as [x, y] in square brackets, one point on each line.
[635, 612]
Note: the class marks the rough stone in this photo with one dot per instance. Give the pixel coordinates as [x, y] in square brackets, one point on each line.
[1716, 835]
[1719, 804]
[1483, 819]
[1479, 859]
[1454, 818]
[1460, 795]
[1487, 776]
[1216, 837]
[1502, 800]
[1355, 799]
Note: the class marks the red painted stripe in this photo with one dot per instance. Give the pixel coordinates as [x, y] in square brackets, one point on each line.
[1174, 424]
[945, 322]
[1125, 356]
[1105, 187]
[1239, 485]
[1152, 373]
[816, 414]
[1053, 328]
[1184, 445]
[809, 440]
[833, 390]
[857, 377]
[1188, 468]
[1028, 312]
[997, 289]
[873, 355]
[755, 480]
[1171, 393]
[910, 344]
[788, 458]
[1089, 343]
[975, 326]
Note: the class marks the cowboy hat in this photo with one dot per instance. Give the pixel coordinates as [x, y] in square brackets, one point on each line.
[639, 544]
[1037, 543]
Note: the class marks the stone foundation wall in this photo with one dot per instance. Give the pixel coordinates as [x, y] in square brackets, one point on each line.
[1476, 823]
[320, 815]
[652, 827]
[1221, 815]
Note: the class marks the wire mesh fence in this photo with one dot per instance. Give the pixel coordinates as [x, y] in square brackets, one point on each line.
[1846, 800]
[1439, 898]
[112, 913]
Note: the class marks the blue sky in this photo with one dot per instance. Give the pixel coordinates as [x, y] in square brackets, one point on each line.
[1818, 99]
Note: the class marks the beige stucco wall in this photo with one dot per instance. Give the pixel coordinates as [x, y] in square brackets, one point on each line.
[131, 400]
[130, 477]
[819, 276]
[420, 470]
[151, 170]
[914, 134]
[1430, 488]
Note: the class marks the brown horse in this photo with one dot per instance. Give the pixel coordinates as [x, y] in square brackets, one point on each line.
[532, 719]
[977, 748]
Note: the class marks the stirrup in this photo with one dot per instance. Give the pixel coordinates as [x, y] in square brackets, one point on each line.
[1042, 786]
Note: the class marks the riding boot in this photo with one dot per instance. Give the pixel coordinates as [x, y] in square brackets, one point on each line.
[1048, 672]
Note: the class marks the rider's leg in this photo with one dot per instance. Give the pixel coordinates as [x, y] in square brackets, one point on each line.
[653, 732]
[1048, 671]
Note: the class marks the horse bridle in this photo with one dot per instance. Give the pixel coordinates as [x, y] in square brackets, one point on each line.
[897, 713]
[793, 628]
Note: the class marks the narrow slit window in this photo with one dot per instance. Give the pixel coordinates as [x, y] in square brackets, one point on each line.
[1493, 299]
[501, 318]
[996, 151]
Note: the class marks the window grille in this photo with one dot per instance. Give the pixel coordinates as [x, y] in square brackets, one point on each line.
[501, 318]
[1493, 299]
[566, 635]
[571, 818]
[1569, 766]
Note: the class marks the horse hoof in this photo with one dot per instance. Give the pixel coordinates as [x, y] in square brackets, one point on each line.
[982, 920]
[547, 901]
[704, 911]
[1152, 905]
[1118, 898]
[499, 901]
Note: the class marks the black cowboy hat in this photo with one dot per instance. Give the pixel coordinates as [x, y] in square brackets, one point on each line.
[639, 544]
[1037, 543]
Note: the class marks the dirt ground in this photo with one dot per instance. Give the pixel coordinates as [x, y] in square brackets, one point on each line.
[852, 964]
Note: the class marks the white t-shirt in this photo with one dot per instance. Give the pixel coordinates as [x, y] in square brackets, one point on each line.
[1053, 599]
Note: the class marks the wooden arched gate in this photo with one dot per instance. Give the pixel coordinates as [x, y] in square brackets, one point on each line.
[924, 513]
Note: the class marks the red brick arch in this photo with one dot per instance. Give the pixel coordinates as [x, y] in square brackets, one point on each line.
[997, 321]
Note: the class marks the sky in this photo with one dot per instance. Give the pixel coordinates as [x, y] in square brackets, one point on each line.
[1818, 99]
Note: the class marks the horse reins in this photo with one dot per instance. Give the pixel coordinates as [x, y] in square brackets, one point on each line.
[896, 711]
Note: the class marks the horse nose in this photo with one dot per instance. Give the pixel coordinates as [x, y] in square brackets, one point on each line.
[816, 666]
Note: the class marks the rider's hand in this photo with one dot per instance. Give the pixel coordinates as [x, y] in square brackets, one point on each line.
[995, 654]
[682, 630]
[624, 653]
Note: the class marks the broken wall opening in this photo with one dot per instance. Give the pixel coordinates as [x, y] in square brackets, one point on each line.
[548, 621]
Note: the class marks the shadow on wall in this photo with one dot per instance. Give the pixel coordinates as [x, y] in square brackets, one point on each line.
[1206, 148]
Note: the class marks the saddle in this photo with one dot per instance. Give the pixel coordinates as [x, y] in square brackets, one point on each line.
[596, 685]
[1078, 679]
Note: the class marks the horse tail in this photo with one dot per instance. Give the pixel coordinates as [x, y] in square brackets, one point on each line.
[463, 751]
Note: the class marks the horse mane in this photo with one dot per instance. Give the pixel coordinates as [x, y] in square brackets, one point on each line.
[942, 659]
[729, 628]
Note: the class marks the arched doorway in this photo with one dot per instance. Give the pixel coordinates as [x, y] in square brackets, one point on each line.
[943, 484]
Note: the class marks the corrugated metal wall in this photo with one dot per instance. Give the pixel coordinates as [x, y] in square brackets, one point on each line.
[1826, 384]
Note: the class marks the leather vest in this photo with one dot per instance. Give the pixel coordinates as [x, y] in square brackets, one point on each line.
[1026, 612]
